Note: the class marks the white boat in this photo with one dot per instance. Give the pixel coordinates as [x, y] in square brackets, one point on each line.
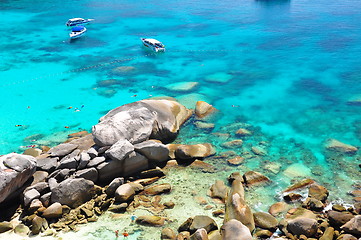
[77, 32]
[76, 21]
[153, 44]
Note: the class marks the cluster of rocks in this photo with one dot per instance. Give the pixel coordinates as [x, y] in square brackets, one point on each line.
[112, 169]
[302, 217]
[60, 188]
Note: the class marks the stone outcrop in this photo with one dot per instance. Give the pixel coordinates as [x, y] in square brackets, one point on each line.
[15, 170]
[153, 150]
[140, 121]
[218, 190]
[124, 193]
[252, 178]
[150, 220]
[353, 226]
[236, 206]
[192, 224]
[72, 192]
[302, 226]
[134, 163]
[265, 221]
[235, 230]
[120, 150]
[158, 189]
[187, 152]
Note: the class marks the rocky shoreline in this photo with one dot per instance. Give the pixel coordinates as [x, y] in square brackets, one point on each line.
[117, 166]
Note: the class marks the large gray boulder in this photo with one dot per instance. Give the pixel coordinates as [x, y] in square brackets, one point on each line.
[134, 163]
[134, 125]
[140, 121]
[15, 170]
[120, 150]
[62, 149]
[88, 173]
[235, 230]
[72, 192]
[153, 150]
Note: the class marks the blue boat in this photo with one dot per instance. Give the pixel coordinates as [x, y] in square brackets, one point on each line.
[77, 32]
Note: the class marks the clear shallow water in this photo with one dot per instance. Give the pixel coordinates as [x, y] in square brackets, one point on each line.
[292, 67]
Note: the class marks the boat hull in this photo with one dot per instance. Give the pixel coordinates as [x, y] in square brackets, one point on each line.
[85, 21]
[73, 35]
[152, 47]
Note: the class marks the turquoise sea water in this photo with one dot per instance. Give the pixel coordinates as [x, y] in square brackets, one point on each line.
[288, 71]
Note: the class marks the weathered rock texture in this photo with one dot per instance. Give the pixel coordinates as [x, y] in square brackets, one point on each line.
[15, 170]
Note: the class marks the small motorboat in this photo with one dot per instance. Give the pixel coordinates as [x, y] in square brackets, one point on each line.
[77, 32]
[76, 21]
[153, 44]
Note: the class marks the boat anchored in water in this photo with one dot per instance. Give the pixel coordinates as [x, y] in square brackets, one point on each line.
[77, 32]
[153, 44]
[76, 21]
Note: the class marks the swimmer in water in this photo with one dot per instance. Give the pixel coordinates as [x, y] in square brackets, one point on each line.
[18, 125]
[66, 126]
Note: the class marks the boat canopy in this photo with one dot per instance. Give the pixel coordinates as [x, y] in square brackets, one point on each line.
[77, 28]
[152, 41]
[75, 19]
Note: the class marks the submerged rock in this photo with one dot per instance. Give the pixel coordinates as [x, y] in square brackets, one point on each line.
[255, 178]
[233, 144]
[204, 109]
[301, 184]
[182, 86]
[335, 145]
[238, 160]
[219, 77]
